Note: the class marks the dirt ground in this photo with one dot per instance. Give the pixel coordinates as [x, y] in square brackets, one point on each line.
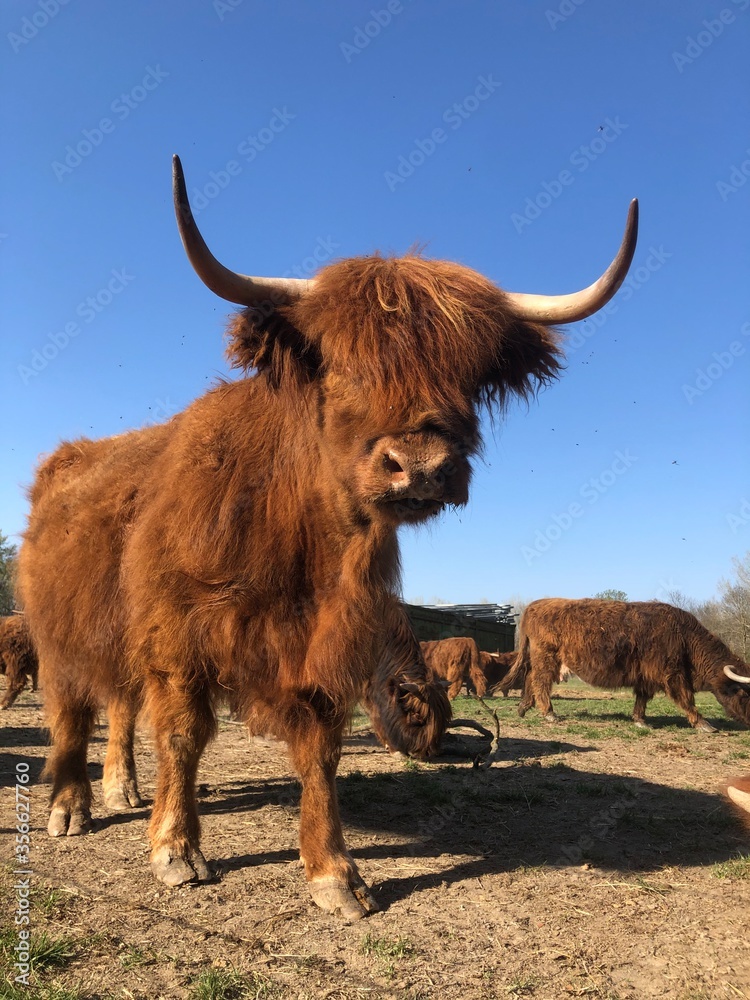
[590, 861]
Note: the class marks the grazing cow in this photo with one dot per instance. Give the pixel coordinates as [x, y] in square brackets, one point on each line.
[247, 548]
[496, 667]
[647, 645]
[407, 705]
[457, 661]
[17, 657]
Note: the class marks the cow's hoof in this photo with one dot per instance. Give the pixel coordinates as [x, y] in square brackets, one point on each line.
[706, 727]
[641, 724]
[352, 901]
[64, 822]
[120, 799]
[173, 870]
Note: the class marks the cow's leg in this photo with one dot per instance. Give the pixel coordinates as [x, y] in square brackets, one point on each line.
[183, 725]
[120, 783]
[542, 676]
[680, 693]
[71, 722]
[527, 699]
[15, 680]
[34, 675]
[642, 697]
[478, 682]
[334, 882]
[455, 683]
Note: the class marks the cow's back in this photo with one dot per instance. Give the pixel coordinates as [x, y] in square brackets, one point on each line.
[85, 498]
[606, 643]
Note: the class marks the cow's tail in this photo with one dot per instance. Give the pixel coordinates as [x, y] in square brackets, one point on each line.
[516, 676]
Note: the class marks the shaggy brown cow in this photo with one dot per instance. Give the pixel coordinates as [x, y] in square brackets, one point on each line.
[17, 657]
[496, 667]
[458, 661]
[647, 645]
[248, 546]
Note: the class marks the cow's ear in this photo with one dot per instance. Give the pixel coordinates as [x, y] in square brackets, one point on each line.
[265, 340]
[529, 356]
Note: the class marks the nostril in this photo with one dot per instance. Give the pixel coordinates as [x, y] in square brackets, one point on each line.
[394, 468]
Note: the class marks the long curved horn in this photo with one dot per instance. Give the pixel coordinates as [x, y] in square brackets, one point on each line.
[736, 677]
[578, 305]
[239, 288]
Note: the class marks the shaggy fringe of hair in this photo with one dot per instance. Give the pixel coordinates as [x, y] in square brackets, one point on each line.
[409, 327]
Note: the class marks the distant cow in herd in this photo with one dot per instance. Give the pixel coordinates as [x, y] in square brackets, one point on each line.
[17, 658]
[647, 645]
[248, 547]
[460, 662]
[457, 661]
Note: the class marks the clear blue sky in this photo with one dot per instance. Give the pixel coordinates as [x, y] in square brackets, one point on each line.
[632, 471]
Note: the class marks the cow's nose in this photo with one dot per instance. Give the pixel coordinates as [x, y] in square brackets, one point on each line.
[417, 479]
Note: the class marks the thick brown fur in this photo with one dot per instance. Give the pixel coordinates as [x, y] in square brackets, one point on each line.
[247, 548]
[458, 661]
[406, 701]
[648, 645]
[17, 658]
[496, 667]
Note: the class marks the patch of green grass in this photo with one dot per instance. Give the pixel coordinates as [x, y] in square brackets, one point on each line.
[227, 984]
[50, 902]
[737, 868]
[46, 991]
[45, 952]
[523, 986]
[385, 947]
[132, 956]
[588, 732]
